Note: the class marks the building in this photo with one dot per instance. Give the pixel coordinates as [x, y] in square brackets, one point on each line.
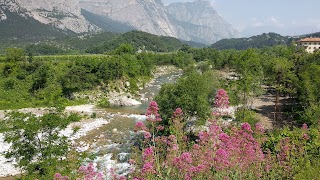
[310, 44]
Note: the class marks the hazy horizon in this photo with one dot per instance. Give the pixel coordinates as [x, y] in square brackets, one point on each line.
[253, 17]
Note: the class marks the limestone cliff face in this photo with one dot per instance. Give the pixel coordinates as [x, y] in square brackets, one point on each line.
[62, 14]
[193, 21]
[201, 13]
[145, 15]
[196, 21]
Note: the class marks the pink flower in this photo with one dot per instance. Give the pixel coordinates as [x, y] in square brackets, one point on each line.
[132, 161]
[147, 135]
[58, 176]
[82, 169]
[247, 127]
[177, 113]
[152, 112]
[148, 153]
[305, 136]
[140, 126]
[221, 99]
[186, 157]
[223, 137]
[160, 128]
[148, 168]
[259, 128]
[304, 127]
[221, 159]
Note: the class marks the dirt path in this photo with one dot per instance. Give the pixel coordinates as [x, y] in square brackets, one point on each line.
[264, 106]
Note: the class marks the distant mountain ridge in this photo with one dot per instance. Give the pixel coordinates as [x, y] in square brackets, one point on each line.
[202, 14]
[154, 17]
[259, 41]
[60, 14]
[92, 16]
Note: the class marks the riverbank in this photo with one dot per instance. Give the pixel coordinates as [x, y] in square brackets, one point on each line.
[109, 132]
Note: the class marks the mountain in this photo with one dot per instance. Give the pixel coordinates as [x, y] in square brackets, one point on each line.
[153, 17]
[145, 15]
[140, 40]
[32, 19]
[201, 13]
[259, 41]
[60, 14]
[105, 23]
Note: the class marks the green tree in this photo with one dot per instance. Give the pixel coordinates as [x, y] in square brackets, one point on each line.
[283, 78]
[124, 49]
[14, 54]
[36, 142]
[191, 93]
[250, 74]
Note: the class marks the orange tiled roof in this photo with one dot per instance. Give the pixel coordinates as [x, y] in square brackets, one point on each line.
[310, 40]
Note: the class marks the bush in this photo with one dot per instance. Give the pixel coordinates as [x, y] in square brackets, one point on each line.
[104, 102]
[36, 142]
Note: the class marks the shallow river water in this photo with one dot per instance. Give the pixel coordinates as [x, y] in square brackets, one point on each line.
[111, 143]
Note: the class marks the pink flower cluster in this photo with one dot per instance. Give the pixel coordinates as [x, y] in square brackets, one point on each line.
[84, 173]
[214, 149]
[152, 112]
[148, 160]
[221, 99]
[58, 176]
[89, 173]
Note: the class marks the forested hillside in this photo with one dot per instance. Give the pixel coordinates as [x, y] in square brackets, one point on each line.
[259, 41]
[139, 40]
[97, 43]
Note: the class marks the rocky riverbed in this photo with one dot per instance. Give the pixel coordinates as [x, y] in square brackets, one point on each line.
[109, 134]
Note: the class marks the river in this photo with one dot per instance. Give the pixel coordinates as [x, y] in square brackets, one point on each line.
[110, 144]
[107, 137]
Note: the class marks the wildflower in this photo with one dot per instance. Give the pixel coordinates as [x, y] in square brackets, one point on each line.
[304, 127]
[148, 152]
[221, 159]
[140, 126]
[172, 138]
[221, 99]
[58, 176]
[305, 136]
[160, 128]
[152, 112]
[247, 127]
[259, 128]
[132, 161]
[223, 137]
[147, 135]
[186, 157]
[148, 168]
[177, 113]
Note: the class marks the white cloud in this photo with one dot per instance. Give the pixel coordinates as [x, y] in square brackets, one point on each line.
[273, 19]
[268, 21]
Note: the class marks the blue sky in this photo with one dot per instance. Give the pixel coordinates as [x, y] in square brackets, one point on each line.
[252, 17]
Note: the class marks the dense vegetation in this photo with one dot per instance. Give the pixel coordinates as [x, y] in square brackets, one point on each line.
[166, 149]
[94, 43]
[139, 40]
[259, 41]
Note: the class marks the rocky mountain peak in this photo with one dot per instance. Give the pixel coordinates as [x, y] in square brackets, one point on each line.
[203, 14]
[62, 14]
